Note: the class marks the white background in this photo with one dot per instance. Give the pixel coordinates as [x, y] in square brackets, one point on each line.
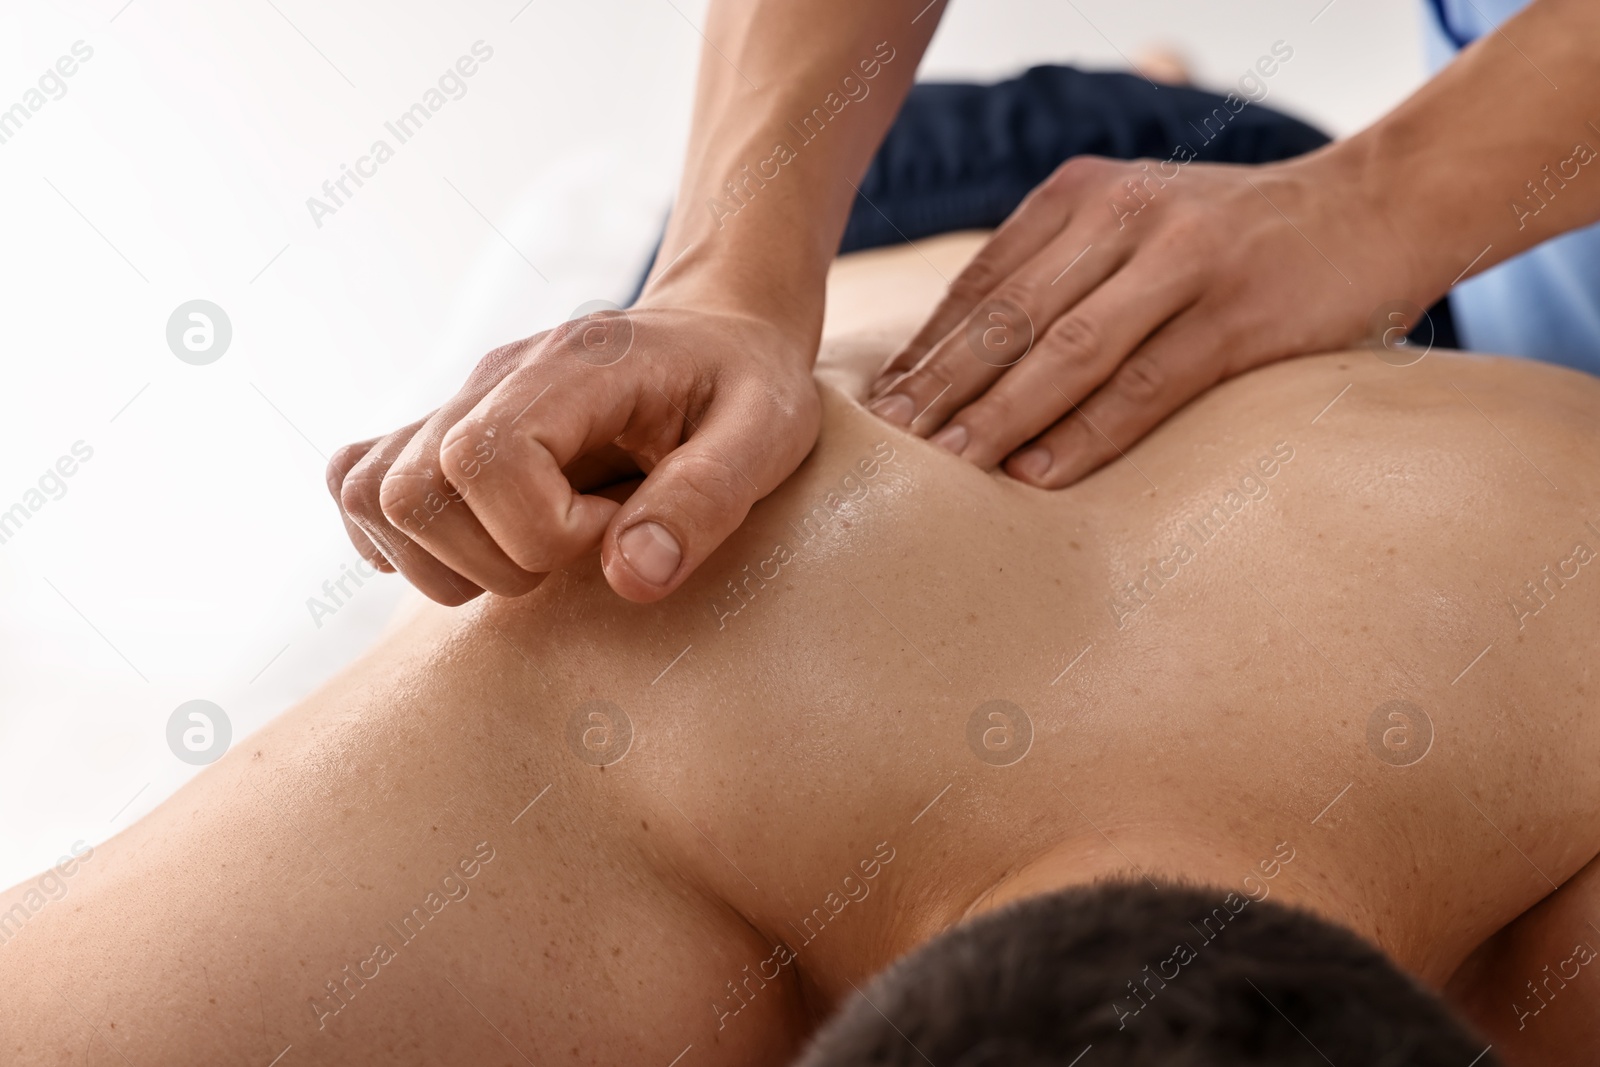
[177, 166]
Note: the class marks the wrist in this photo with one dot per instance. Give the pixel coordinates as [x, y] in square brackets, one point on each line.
[1401, 212]
[713, 275]
[754, 231]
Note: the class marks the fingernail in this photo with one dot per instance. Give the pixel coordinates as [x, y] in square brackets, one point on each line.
[651, 551]
[1034, 463]
[951, 439]
[896, 408]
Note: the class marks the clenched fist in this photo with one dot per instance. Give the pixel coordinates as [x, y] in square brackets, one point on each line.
[495, 489]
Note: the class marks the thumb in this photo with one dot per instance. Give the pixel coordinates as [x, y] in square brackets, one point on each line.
[698, 495]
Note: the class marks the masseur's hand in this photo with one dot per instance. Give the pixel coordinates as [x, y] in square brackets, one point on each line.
[715, 406]
[1096, 311]
[710, 392]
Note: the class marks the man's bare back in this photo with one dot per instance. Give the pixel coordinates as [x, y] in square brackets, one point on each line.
[1325, 637]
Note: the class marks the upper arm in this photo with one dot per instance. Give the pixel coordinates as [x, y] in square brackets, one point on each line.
[1533, 989]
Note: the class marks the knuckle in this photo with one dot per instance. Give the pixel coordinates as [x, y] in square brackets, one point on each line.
[1071, 175]
[412, 501]
[976, 281]
[344, 459]
[359, 499]
[358, 494]
[467, 448]
[787, 407]
[1019, 292]
[1142, 380]
[1074, 337]
[932, 382]
[1186, 230]
[937, 368]
[1000, 330]
[535, 553]
[709, 485]
[501, 361]
[1190, 272]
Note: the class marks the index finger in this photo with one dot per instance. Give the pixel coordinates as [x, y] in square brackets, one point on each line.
[535, 422]
[1029, 229]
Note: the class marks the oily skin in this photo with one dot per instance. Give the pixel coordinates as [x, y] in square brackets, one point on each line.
[781, 751]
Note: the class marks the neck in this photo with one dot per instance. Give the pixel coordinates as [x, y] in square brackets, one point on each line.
[1240, 872]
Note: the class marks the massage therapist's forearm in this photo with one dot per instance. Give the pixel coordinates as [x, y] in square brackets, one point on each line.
[793, 99]
[1497, 151]
[705, 386]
